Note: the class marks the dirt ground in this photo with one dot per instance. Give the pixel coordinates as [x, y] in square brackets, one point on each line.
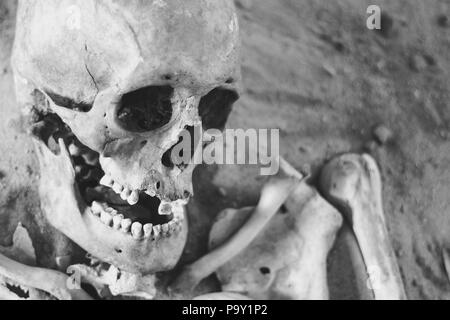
[312, 69]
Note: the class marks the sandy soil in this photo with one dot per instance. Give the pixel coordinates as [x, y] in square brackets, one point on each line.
[312, 69]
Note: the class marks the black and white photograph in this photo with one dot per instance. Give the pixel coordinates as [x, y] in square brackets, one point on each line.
[232, 151]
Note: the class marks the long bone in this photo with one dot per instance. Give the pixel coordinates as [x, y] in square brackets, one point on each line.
[273, 194]
[353, 183]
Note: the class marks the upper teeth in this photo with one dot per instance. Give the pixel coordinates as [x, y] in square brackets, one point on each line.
[165, 208]
[132, 196]
[117, 188]
[125, 194]
[107, 181]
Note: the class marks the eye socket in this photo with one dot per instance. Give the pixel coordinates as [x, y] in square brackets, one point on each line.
[146, 109]
[215, 108]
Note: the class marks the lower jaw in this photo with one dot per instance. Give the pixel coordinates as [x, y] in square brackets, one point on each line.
[138, 256]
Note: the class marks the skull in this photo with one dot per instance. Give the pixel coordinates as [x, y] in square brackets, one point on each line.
[109, 87]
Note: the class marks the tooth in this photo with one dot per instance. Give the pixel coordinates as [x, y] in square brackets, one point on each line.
[165, 208]
[117, 220]
[172, 226]
[148, 228]
[96, 208]
[125, 194]
[165, 229]
[78, 170]
[74, 150]
[125, 225]
[106, 218]
[111, 211]
[133, 198]
[117, 188]
[156, 231]
[107, 181]
[151, 192]
[136, 230]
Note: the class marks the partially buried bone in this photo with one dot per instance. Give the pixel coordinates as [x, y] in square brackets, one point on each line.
[273, 194]
[35, 283]
[353, 183]
[288, 258]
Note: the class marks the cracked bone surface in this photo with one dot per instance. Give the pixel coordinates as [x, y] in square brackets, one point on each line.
[353, 183]
[120, 107]
[273, 194]
[288, 259]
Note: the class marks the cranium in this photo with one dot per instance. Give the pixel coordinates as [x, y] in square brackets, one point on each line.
[109, 86]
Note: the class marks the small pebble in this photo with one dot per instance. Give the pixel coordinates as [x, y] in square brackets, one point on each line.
[382, 134]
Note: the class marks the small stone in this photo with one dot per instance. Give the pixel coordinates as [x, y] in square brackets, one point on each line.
[382, 134]
[329, 69]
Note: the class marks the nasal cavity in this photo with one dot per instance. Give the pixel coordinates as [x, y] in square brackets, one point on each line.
[182, 153]
[146, 109]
